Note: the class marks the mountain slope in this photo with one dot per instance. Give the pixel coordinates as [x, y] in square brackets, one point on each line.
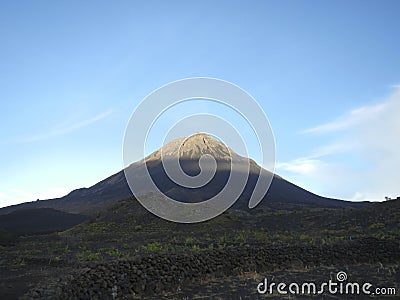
[188, 152]
[39, 220]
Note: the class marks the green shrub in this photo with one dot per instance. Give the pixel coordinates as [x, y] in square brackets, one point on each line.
[190, 240]
[377, 226]
[114, 252]
[196, 248]
[153, 247]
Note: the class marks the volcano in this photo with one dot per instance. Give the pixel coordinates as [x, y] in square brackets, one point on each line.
[196, 153]
[195, 169]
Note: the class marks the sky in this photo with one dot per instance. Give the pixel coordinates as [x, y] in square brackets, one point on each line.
[326, 74]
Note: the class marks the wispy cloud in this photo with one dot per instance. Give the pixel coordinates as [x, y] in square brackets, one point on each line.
[361, 161]
[353, 118]
[301, 166]
[63, 129]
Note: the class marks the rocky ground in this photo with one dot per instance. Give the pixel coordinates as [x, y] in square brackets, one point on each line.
[178, 275]
[127, 253]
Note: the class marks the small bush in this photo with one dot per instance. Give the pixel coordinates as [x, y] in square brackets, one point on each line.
[153, 247]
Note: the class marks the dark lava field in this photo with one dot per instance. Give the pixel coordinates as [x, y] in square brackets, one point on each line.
[124, 252]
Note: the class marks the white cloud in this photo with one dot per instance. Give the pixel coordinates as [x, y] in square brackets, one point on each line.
[302, 166]
[317, 175]
[362, 161]
[64, 129]
[356, 117]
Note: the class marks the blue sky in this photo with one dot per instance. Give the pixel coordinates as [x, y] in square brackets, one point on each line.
[326, 73]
